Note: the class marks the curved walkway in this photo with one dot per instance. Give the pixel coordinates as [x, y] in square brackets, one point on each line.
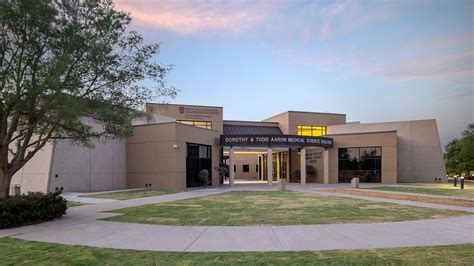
[80, 226]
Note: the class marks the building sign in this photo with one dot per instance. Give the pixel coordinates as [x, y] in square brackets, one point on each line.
[275, 141]
[198, 113]
[313, 157]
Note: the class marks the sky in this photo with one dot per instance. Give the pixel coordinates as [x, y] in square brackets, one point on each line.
[372, 60]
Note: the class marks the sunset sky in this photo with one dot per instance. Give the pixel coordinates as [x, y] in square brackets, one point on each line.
[373, 60]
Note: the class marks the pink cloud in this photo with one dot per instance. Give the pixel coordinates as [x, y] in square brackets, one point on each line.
[187, 17]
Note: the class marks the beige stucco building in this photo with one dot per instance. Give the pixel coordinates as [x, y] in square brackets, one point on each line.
[173, 143]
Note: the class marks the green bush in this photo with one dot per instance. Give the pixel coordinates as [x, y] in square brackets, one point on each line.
[204, 176]
[31, 208]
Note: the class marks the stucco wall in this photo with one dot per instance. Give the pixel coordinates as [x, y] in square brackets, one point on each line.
[153, 159]
[289, 121]
[34, 175]
[420, 157]
[189, 112]
[79, 168]
[388, 142]
[315, 157]
[251, 160]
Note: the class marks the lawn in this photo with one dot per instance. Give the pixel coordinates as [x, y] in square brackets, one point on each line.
[74, 204]
[444, 189]
[21, 252]
[275, 208]
[133, 194]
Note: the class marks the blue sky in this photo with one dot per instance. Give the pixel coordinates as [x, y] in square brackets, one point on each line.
[373, 60]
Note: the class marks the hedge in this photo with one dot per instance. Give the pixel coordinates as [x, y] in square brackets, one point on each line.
[31, 208]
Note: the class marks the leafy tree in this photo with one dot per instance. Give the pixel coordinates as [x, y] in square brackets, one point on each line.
[460, 153]
[61, 61]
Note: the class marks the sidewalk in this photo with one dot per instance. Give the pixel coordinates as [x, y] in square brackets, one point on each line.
[81, 227]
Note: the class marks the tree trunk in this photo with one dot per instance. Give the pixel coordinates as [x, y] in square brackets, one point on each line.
[5, 181]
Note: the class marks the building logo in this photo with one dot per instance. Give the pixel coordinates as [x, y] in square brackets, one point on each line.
[181, 109]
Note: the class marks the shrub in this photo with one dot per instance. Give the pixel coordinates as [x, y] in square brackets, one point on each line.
[204, 176]
[31, 208]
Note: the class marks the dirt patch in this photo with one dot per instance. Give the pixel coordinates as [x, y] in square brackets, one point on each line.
[427, 199]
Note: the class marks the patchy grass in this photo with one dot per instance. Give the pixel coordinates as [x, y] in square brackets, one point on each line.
[22, 252]
[427, 199]
[467, 192]
[74, 204]
[273, 208]
[133, 194]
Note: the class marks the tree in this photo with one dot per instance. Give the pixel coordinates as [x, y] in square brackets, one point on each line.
[65, 60]
[459, 155]
[223, 170]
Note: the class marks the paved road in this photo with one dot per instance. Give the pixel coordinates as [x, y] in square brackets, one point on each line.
[80, 226]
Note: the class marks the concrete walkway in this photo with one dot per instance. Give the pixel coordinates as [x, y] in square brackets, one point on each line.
[80, 226]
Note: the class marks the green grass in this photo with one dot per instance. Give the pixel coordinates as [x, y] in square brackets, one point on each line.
[74, 203]
[125, 195]
[276, 208]
[443, 189]
[21, 252]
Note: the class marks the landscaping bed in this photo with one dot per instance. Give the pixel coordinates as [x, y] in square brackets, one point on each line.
[427, 199]
[441, 189]
[31, 208]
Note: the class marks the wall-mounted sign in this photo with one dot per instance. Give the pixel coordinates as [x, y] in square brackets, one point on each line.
[198, 113]
[275, 141]
[313, 157]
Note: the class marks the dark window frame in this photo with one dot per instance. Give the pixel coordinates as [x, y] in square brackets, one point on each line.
[351, 165]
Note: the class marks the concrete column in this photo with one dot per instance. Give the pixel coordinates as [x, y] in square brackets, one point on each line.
[303, 166]
[278, 166]
[326, 166]
[269, 166]
[231, 167]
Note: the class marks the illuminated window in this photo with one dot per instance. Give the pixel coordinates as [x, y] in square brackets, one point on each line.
[201, 124]
[313, 131]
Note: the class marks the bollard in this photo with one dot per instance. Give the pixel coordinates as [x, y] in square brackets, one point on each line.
[462, 183]
[455, 181]
[355, 182]
[282, 184]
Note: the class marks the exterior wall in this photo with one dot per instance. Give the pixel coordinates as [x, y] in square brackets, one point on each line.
[189, 112]
[250, 123]
[251, 160]
[289, 121]
[34, 176]
[313, 119]
[388, 142]
[283, 120]
[153, 159]
[99, 167]
[420, 158]
[315, 157]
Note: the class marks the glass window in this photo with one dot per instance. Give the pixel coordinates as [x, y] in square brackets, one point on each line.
[312, 131]
[201, 124]
[193, 151]
[203, 152]
[364, 163]
[245, 168]
[367, 152]
[199, 157]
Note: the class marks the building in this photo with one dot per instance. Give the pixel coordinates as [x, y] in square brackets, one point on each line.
[169, 149]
